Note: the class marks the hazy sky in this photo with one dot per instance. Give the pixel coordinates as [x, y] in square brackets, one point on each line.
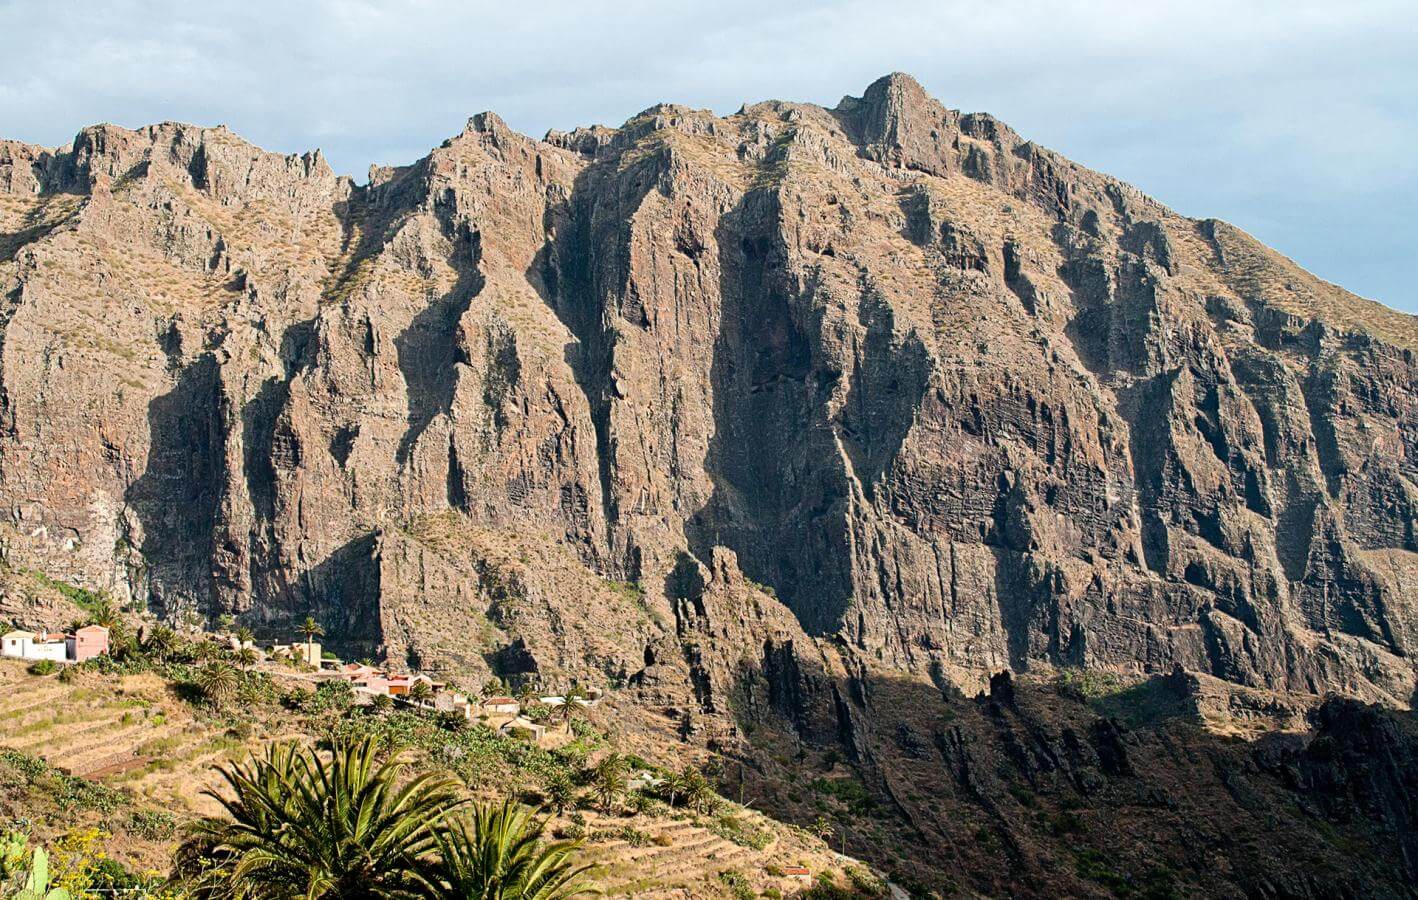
[1295, 120]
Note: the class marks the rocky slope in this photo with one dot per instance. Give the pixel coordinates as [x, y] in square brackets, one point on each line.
[960, 402]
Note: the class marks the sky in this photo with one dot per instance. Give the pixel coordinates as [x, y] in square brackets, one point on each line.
[1295, 120]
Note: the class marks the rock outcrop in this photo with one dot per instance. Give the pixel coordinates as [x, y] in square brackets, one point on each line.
[961, 404]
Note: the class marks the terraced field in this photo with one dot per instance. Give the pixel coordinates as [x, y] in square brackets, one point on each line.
[133, 734]
[673, 857]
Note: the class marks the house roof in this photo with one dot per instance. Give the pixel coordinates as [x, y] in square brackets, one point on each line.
[796, 870]
[18, 634]
[89, 629]
[498, 701]
[49, 637]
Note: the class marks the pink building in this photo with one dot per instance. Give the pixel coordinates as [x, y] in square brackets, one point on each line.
[87, 642]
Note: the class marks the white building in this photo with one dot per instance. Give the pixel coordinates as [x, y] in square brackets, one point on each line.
[35, 645]
[16, 643]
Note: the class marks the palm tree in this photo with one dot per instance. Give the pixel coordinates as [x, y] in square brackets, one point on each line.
[105, 614]
[570, 705]
[247, 657]
[244, 636]
[225, 622]
[608, 780]
[218, 682]
[497, 853]
[161, 641]
[560, 791]
[298, 825]
[698, 793]
[526, 693]
[312, 630]
[419, 692]
[493, 686]
[672, 786]
[381, 703]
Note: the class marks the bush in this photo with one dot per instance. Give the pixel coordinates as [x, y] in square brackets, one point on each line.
[738, 885]
[152, 824]
[44, 667]
[735, 830]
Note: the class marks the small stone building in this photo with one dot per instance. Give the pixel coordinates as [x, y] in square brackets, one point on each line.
[87, 642]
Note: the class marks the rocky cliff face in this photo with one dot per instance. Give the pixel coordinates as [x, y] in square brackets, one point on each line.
[962, 404]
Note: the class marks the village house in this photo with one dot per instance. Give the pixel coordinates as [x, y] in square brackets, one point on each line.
[400, 685]
[87, 642]
[501, 706]
[16, 643]
[453, 702]
[308, 653]
[521, 726]
[37, 645]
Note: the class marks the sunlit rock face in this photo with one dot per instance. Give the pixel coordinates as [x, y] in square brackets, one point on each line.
[962, 404]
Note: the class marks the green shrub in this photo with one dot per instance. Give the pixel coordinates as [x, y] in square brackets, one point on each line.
[1095, 867]
[735, 830]
[44, 667]
[152, 824]
[737, 884]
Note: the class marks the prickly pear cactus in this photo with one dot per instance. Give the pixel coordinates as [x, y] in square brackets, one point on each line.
[37, 885]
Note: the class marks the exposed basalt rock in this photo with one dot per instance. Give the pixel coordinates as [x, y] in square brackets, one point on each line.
[963, 405]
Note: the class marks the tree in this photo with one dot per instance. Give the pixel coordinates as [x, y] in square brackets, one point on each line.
[381, 703]
[103, 613]
[299, 825]
[225, 622]
[821, 828]
[419, 692]
[247, 657]
[560, 791]
[244, 636]
[526, 693]
[161, 642]
[571, 705]
[493, 686]
[218, 681]
[608, 780]
[672, 786]
[497, 852]
[699, 795]
[312, 630]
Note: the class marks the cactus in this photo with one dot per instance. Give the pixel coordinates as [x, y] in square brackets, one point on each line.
[13, 845]
[37, 884]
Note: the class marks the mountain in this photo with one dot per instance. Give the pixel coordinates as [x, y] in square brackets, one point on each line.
[756, 416]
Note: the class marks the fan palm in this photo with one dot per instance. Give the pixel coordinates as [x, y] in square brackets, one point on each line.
[497, 852]
[303, 826]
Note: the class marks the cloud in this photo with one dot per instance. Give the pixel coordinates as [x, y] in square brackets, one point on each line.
[1294, 120]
